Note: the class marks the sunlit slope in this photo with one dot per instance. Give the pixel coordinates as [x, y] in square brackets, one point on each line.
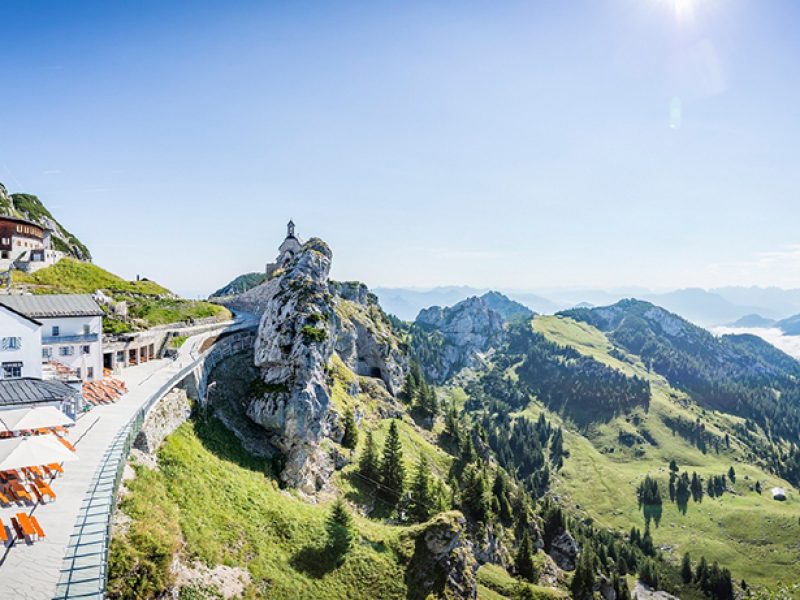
[752, 534]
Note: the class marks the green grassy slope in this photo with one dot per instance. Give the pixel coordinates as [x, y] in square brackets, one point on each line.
[279, 539]
[751, 534]
[149, 304]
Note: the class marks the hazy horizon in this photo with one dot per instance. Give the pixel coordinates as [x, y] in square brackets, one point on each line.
[538, 145]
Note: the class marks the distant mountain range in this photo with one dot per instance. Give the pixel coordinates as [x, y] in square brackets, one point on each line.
[753, 306]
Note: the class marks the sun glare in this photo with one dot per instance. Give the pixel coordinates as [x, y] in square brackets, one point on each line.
[683, 9]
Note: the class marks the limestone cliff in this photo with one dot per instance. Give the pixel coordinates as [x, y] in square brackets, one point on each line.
[365, 340]
[305, 319]
[450, 339]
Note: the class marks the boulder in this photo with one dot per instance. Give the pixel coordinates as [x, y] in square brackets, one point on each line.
[564, 551]
[443, 563]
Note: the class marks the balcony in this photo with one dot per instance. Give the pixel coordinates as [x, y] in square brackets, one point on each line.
[84, 338]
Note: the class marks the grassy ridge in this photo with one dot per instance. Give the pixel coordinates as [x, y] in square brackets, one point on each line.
[148, 302]
[751, 534]
[280, 540]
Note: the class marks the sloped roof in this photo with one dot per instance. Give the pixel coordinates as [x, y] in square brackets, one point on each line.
[19, 314]
[31, 391]
[55, 305]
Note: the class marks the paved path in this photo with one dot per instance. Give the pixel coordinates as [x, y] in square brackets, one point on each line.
[31, 571]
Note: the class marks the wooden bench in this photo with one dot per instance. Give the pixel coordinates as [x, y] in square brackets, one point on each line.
[27, 527]
[3, 534]
[36, 527]
[44, 489]
[17, 528]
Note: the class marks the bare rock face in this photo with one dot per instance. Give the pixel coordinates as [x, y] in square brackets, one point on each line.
[464, 331]
[305, 318]
[294, 344]
[564, 551]
[364, 338]
[443, 563]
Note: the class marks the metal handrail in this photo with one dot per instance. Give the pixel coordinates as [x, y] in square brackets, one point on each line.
[126, 435]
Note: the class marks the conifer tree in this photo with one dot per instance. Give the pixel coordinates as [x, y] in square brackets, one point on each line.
[421, 501]
[350, 437]
[474, 494]
[393, 472]
[340, 525]
[686, 568]
[583, 581]
[524, 561]
[732, 474]
[368, 464]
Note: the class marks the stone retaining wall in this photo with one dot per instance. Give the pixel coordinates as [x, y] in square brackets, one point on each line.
[165, 417]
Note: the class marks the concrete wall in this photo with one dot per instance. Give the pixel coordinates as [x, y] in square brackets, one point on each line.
[30, 354]
[196, 384]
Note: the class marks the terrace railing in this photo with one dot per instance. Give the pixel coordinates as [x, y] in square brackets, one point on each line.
[84, 573]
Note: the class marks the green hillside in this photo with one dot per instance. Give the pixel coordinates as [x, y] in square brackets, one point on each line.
[149, 304]
[240, 284]
[748, 532]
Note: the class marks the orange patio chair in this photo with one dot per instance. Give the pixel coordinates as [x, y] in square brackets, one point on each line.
[55, 467]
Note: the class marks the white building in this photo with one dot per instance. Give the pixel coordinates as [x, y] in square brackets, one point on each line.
[25, 245]
[20, 345]
[72, 331]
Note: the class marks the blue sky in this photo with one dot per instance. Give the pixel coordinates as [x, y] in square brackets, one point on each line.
[519, 145]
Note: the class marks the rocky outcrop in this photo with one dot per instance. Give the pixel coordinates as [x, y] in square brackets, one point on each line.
[165, 417]
[294, 344]
[455, 337]
[564, 551]
[305, 318]
[443, 563]
[364, 338]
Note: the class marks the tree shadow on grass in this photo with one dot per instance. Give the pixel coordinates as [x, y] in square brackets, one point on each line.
[652, 512]
[317, 561]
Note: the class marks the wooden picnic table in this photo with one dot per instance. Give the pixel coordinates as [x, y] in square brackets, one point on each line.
[20, 491]
[35, 470]
[44, 489]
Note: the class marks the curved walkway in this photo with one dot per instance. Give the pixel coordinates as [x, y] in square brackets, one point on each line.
[65, 564]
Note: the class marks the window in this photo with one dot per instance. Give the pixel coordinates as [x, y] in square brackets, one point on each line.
[11, 343]
[78, 373]
[87, 330]
[47, 353]
[86, 349]
[89, 372]
[12, 370]
[56, 330]
[66, 351]
[121, 356]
